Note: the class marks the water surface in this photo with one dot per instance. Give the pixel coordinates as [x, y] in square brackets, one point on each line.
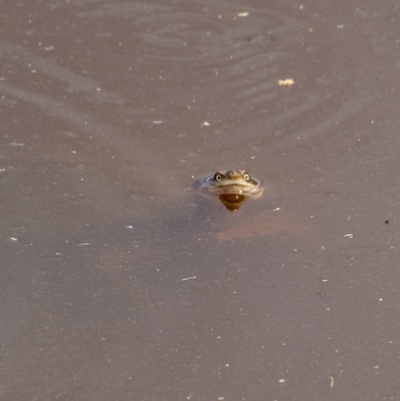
[119, 281]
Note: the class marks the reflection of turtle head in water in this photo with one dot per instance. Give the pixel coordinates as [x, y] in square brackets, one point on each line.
[232, 187]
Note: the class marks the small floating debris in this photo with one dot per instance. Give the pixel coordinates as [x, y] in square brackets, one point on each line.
[17, 144]
[332, 381]
[84, 244]
[189, 278]
[243, 14]
[286, 82]
[256, 39]
[349, 235]
[158, 122]
[276, 209]
[205, 124]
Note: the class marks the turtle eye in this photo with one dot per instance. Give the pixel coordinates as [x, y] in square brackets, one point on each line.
[246, 176]
[217, 177]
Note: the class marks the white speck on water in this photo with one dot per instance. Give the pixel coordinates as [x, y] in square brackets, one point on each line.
[189, 278]
[348, 235]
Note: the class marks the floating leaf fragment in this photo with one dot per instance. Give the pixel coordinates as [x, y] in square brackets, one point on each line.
[286, 82]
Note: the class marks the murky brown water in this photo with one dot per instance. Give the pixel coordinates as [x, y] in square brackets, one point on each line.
[118, 282]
